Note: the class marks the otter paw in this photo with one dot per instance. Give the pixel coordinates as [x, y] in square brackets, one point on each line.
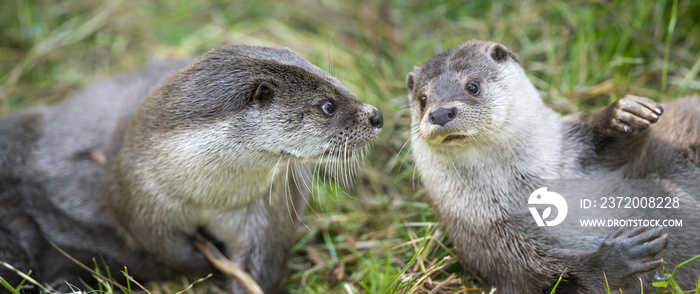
[633, 113]
[630, 251]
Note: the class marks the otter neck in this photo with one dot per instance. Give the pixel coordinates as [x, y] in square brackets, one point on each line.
[204, 168]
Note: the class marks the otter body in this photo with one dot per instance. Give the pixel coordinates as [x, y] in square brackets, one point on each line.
[215, 147]
[483, 142]
[50, 183]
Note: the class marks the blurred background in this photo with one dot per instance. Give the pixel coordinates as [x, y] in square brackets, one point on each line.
[379, 236]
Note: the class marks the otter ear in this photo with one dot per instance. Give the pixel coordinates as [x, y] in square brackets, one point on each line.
[500, 53]
[264, 93]
[409, 81]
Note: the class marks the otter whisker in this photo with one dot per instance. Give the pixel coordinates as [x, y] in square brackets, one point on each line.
[302, 172]
[330, 172]
[321, 170]
[353, 165]
[350, 166]
[272, 178]
[286, 189]
[356, 157]
[340, 169]
[414, 136]
[314, 176]
[339, 177]
[337, 173]
[306, 179]
[365, 152]
[289, 199]
[326, 167]
[344, 167]
[403, 147]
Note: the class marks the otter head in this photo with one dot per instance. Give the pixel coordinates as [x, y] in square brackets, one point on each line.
[265, 103]
[467, 95]
[237, 111]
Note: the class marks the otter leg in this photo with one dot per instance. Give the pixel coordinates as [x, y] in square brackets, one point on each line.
[271, 230]
[628, 114]
[618, 132]
[622, 254]
[268, 247]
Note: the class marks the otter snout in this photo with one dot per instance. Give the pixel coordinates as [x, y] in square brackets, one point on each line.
[453, 122]
[355, 129]
[376, 121]
[441, 116]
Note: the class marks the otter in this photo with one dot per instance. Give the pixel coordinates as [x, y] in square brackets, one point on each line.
[216, 147]
[485, 145]
[220, 148]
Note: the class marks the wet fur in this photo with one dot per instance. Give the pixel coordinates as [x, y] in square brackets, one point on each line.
[479, 186]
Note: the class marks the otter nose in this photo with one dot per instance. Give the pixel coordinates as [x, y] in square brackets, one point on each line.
[441, 116]
[377, 121]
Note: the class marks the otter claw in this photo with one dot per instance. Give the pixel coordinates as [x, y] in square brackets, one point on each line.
[633, 113]
[634, 250]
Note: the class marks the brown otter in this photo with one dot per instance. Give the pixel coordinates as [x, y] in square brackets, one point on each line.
[483, 142]
[216, 148]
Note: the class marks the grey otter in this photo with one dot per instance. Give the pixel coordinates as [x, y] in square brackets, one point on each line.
[483, 141]
[220, 148]
[217, 147]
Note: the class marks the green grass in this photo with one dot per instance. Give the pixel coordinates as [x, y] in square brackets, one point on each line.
[579, 54]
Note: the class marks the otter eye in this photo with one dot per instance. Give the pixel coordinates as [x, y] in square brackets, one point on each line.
[328, 108]
[472, 88]
[423, 100]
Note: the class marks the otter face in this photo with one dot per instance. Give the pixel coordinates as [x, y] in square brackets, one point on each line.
[462, 96]
[314, 119]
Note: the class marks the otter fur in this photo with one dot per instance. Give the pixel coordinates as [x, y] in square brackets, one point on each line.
[135, 167]
[483, 141]
[220, 148]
